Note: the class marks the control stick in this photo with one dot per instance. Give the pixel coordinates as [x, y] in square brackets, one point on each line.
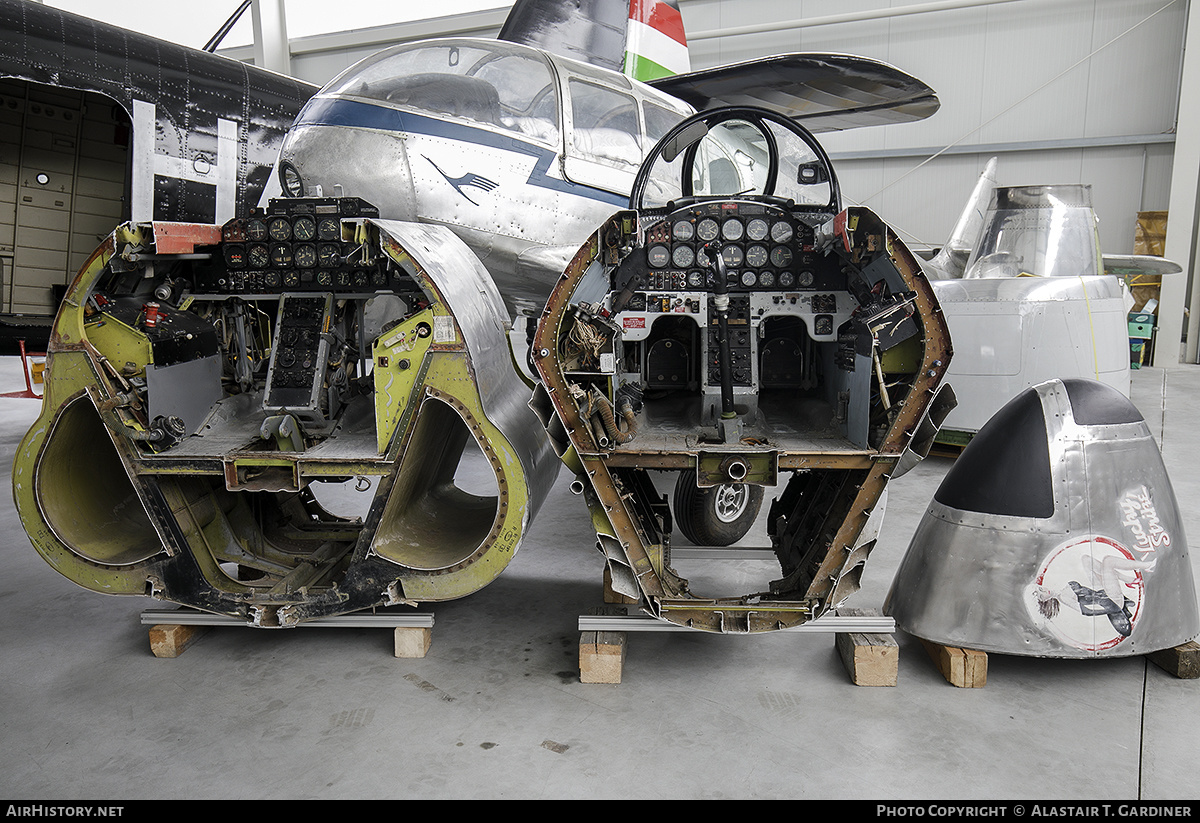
[720, 292]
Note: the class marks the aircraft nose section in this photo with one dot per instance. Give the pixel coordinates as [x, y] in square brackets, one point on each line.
[340, 161]
[1055, 534]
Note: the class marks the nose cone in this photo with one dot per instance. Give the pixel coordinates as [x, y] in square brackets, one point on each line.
[333, 160]
[1055, 534]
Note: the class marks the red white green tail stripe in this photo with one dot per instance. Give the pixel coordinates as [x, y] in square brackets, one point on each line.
[655, 43]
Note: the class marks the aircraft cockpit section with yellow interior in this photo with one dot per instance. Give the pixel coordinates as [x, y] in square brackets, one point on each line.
[738, 327]
[267, 418]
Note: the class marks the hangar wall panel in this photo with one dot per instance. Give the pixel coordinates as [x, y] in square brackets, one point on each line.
[1010, 76]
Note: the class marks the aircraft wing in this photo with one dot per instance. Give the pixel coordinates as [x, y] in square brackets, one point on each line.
[825, 92]
[1132, 267]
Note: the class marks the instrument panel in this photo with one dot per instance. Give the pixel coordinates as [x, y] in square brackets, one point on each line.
[762, 247]
[296, 244]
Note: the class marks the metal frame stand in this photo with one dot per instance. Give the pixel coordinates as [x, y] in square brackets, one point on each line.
[173, 630]
[863, 637]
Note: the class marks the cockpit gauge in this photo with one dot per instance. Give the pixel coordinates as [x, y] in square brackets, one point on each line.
[749, 278]
[235, 256]
[258, 256]
[707, 229]
[787, 279]
[781, 232]
[733, 229]
[329, 255]
[306, 255]
[766, 279]
[329, 228]
[324, 278]
[658, 256]
[291, 279]
[683, 231]
[683, 256]
[781, 257]
[256, 230]
[281, 255]
[696, 279]
[732, 256]
[757, 256]
[305, 228]
[757, 229]
[279, 228]
[806, 278]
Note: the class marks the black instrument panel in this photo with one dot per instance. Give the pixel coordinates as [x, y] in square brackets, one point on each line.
[296, 244]
[763, 248]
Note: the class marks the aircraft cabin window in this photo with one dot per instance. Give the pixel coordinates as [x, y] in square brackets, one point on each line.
[605, 125]
[659, 121]
[499, 86]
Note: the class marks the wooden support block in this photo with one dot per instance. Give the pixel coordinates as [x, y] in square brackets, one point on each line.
[611, 596]
[170, 640]
[870, 659]
[601, 656]
[413, 641]
[1182, 661]
[965, 668]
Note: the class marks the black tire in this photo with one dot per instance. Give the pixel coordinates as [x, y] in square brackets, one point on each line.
[717, 516]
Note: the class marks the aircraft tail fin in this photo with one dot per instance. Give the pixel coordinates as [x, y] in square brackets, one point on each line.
[655, 43]
[642, 38]
[592, 31]
[951, 260]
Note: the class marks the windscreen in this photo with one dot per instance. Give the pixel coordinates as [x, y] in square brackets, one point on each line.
[494, 85]
[1041, 231]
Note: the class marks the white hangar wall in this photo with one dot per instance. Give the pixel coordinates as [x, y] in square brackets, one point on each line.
[1062, 91]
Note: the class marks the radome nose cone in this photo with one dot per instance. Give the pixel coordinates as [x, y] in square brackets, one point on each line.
[1055, 534]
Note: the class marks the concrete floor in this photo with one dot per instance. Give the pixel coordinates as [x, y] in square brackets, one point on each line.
[497, 710]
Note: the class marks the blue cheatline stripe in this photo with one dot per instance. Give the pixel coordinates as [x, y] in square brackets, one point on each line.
[327, 111]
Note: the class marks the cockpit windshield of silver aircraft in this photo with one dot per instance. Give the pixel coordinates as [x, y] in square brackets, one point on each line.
[509, 88]
[735, 158]
[514, 89]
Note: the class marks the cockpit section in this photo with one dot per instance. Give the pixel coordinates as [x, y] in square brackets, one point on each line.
[746, 341]
[787, 307]
[279, 408]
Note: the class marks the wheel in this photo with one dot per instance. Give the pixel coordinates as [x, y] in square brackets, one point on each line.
[716, 516]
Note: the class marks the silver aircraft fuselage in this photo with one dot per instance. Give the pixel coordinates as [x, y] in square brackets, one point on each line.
[520, 152]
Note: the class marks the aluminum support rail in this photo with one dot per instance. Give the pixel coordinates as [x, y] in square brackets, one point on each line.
[866, 624]
[721, 553]
[367, 620]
